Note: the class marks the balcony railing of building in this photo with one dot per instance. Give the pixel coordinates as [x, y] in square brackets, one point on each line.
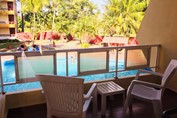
[7, 35]
[6, 22]
[7, 1]
[6, 11]
[83, 61]
[4, 25]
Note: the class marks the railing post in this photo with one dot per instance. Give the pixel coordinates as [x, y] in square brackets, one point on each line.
[55, 64]
[117, 51]
[67, 64]
[16, 68]
[157, 58]
[1, 79]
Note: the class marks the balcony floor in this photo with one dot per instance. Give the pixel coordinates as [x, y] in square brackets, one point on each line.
[114, 108]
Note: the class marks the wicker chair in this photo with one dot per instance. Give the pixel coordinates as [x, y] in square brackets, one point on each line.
[150, 92]
[64, 96]
[2, 105]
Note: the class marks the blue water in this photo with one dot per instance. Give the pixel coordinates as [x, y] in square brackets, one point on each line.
[8, 74]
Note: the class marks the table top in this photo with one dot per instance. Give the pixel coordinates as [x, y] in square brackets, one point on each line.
[109, 88]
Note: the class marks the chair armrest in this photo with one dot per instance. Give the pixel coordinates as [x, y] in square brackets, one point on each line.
[146, 84]
[91, 90]
[151, 72]
[168, 112]
[86, 104]
[147, 71]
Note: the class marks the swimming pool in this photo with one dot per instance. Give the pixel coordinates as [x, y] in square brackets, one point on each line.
[8, 74]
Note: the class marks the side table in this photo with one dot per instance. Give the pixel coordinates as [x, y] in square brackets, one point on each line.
[107, 89]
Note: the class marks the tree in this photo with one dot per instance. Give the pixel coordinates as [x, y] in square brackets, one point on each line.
[33, 6]
[124, 16]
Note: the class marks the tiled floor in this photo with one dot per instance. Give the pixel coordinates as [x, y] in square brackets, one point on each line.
[114, 108]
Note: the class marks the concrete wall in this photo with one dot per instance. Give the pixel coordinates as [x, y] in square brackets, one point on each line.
[4, 18]
[3, 4]
[4, 31]
[159, 26]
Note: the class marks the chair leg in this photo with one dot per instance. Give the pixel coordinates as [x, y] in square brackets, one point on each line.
[126, 104]
[84, 115]
[95, 107]
[129, 103]
[157, 106]
[49, 114]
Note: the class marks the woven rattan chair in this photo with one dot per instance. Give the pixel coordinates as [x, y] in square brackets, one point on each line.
[64, 96]
[149, 91]
[2, 105]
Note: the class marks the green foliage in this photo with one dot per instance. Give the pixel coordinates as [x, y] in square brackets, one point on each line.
[85, 45]
[122, 17]
[9, 43]
[19, 23]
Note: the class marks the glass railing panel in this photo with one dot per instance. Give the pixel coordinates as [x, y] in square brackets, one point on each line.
[93, 62]
[96, 77]
[22, 87]
[72, 64]
[127, 73]
[61, 64]
[153, 57]
[138, 58]
[121, 58]
[112, 60]
[29, 66]
[8, 69]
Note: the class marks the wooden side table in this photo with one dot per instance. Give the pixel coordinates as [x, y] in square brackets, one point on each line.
[107, 89]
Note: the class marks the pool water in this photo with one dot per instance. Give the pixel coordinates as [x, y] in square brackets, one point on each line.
[8, 74]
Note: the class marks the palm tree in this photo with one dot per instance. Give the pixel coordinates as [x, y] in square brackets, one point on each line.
[33, 6]
[124, 16]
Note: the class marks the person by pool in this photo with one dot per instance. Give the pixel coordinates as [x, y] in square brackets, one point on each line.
[22, 47]
[34, 47]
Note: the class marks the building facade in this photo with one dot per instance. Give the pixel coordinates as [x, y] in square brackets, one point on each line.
[8, 19]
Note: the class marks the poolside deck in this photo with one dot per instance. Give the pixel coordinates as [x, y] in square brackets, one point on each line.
[114, 108]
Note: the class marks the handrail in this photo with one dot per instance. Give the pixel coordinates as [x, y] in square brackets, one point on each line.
[147, 50]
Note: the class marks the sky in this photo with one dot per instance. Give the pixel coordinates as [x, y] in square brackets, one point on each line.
[100, 4]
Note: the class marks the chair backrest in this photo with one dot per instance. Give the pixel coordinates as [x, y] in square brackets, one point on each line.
[64, 95]
[169, 72]
[2, 105]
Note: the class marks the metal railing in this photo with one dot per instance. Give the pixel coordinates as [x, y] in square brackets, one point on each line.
[88, 61]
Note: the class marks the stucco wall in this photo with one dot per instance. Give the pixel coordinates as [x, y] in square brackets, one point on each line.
[4, 31]
[159, 26]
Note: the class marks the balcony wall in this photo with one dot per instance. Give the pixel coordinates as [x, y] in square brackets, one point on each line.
[25, 97]
[7, 25]
[159, 26]
[6, 12]
[3, 4]
[4, 31]
[3, 19]
[7, 0]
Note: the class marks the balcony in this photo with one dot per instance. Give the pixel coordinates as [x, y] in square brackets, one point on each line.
[7, 0]
[10, 24]
[114, 108]
[7, 35]
[6, 11]
[78, 62]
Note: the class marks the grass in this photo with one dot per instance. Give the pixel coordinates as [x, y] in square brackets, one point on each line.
[9, 45]
[6, 45]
